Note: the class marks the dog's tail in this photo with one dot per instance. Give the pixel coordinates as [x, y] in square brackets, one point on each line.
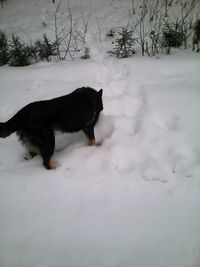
[9, 127]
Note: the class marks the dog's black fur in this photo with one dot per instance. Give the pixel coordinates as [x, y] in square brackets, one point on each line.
[36, 123]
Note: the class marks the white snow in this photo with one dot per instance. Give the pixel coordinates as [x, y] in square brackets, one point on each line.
[133, 201]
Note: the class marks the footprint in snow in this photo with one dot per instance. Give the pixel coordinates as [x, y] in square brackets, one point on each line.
[36, 85]
[117, 88]
[185, 167]
[118, 71]
[166, 122]
[154, 174]
[123, 106]
[112, 71]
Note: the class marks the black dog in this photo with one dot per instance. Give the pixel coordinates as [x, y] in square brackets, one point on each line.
[36, 123]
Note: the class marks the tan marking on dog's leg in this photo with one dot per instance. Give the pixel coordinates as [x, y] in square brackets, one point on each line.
[52, 164]
[92, 142]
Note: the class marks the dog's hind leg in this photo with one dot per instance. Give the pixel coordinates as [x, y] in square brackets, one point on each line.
[47, 150]
[30, 155]
[41, 141]
[89, 132]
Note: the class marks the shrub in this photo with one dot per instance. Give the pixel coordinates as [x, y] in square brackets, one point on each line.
[18, 52]
[4, 49]
[172, 36]
[45, 48]
[197, 28]
[33, 52]
[124, 44]
[196, 35]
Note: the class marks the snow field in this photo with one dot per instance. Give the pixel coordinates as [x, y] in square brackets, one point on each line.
[133, 200]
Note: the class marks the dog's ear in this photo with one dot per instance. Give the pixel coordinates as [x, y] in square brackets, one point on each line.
[100, 92]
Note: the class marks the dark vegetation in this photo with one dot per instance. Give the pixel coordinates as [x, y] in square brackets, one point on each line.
[151, 29]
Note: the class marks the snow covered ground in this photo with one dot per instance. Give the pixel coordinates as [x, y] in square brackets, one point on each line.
[134, 201]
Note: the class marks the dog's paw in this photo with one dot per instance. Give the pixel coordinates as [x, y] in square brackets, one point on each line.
[98, 144]
[92, 142]
[53, 165]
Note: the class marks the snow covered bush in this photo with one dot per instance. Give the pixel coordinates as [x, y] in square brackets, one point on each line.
[196, 35]
[4, 53]
[33, 52]
[18, 52]
[172, 36]
[45, 48]
[124, 44]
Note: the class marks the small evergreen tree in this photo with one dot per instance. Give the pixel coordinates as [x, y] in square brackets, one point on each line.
[4, 49]
[19, 54]
[33, 52]
[124, 44]
[45, 48]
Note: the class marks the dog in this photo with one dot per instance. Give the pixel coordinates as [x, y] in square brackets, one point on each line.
[36, 123]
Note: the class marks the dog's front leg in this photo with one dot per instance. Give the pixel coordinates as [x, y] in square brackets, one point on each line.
[89, 132]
